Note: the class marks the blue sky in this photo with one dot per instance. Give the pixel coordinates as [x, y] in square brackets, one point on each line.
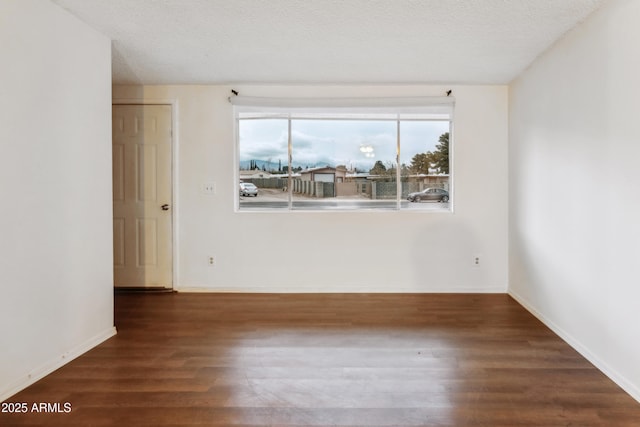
[353, 143]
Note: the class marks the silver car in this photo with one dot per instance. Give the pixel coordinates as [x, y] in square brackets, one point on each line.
[436, 194]
[248, 189]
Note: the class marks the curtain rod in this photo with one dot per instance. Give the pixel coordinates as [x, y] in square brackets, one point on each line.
[337, 102]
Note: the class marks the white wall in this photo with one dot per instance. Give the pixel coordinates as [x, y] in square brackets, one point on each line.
[55, 183]
[372, 251]
[574, 159]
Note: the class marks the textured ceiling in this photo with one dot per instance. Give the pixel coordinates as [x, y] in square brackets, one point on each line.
[327, 41]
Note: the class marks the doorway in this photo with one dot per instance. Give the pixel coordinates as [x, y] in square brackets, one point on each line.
[142, 196]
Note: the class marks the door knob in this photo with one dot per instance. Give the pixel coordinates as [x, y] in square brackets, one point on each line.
[165, 207]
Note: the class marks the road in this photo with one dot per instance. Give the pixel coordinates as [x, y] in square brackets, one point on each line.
[276, 199]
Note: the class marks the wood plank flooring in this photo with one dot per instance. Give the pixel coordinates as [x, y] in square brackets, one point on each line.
[328, 360]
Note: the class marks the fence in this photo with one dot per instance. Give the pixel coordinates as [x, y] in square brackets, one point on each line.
[376, 190]
[314, 188]
[346, 189]
[389, 189]
[268, 182]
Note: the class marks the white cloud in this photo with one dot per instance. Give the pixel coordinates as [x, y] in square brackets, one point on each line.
[324, 142]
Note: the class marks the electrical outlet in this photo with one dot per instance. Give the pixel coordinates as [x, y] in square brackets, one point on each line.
[211, 261]
[209, 188]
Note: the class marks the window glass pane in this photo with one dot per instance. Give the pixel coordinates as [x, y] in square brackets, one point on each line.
[263, 162]
[337, 159]
[424, 157]
[337, 164]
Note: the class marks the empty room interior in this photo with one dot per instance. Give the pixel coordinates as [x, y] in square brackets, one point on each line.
[142, 286]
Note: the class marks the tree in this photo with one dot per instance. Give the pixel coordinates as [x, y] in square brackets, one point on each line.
[441, 155]
[378, 168]
[438, 159]
[421, 162]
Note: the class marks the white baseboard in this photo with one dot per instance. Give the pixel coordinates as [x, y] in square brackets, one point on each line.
[47, 368]
[613, 374]
[340, 289]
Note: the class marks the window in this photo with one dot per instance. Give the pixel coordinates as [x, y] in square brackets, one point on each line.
[344, 154]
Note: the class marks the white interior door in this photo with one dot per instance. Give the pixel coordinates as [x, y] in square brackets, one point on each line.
[142, 220]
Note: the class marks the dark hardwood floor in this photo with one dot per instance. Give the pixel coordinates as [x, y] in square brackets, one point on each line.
[328, 360]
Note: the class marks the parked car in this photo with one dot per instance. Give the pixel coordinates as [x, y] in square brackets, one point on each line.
[248, 189]
[437, 194]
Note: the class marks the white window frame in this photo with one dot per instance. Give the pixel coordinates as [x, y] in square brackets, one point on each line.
[388, 109]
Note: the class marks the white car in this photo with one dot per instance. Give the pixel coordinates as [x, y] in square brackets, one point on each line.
[248, 189]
